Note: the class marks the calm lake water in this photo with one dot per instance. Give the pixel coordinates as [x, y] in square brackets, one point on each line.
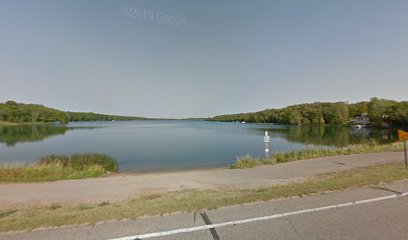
[142, 146]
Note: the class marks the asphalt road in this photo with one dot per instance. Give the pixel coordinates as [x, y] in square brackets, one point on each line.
[384, 216]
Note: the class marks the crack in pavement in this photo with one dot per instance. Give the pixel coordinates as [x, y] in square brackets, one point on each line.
[293, 228]
[386, 189]
[208, 222]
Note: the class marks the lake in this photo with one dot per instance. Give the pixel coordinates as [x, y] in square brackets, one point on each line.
[144, 146]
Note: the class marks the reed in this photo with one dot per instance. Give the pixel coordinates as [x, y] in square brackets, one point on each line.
[59, 167]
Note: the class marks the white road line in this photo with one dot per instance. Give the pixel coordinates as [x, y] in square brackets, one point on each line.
[257, 219]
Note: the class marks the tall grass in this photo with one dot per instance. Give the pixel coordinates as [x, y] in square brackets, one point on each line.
[80, 161]
[58, 167]
[248, 161]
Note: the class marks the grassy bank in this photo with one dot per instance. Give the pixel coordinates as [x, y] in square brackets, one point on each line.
[58, 167]
[248, 161]
[192, 200]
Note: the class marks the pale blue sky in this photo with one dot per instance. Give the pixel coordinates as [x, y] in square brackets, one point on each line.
[229, 56]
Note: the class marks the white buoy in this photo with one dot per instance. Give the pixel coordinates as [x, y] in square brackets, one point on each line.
[266, 141]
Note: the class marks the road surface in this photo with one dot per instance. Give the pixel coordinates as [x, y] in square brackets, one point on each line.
[363, 213]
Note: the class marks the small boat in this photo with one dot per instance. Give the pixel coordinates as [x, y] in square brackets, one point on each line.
[242, 122]
[357, 126]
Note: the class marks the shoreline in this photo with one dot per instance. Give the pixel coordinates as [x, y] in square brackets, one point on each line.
[120, 187]
[211, 169]
[248, 161]
[185, 170]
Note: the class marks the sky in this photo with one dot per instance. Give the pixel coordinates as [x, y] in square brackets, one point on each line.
[190, 58]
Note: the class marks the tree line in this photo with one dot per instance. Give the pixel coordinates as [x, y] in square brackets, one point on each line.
[14, 112]
[380, 112]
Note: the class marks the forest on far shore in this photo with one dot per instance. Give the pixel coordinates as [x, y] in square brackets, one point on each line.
[380, 112]
[14, 112]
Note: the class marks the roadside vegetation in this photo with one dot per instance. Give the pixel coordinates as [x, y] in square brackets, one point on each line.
[248, 161]
[59, 167]
[192, 200]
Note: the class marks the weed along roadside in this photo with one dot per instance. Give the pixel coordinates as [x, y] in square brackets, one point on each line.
[59, 167]
[248, 161]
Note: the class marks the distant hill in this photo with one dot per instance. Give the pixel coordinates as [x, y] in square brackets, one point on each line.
[379, 111]
[13, 112]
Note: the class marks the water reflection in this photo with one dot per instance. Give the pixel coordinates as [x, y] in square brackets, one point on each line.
[330, 135]
[11, 135]
[316, 135]
[157, 145]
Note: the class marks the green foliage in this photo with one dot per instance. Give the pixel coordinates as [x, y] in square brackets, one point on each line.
[23, 113]
[13, 112]
[89, 116]
[58, 167]
[379, 111]
[302, 114]
[388, 112]
[358, 109]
